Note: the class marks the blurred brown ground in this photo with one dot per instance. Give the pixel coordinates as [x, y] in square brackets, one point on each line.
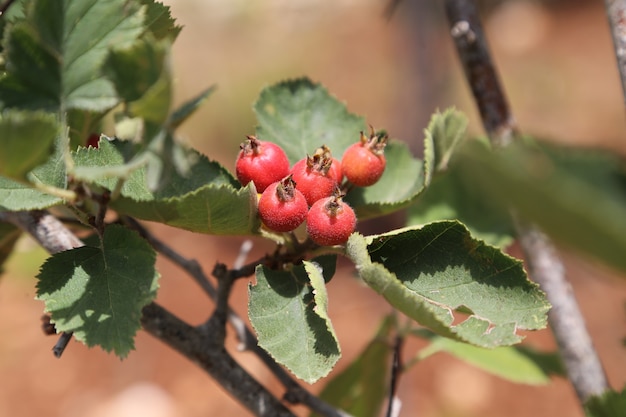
[558, 68]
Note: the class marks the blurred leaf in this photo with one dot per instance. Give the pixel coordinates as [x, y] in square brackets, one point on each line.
[54, 55]
[361, 388]
[97, 291]
[577, 196]
[288, 312]
[21, 196]
[610, 404]
[82, 124]
[188, 108]
[429, 272]
[9, 235]
[443, 134]
[203, 200]
[450, 197]
[159, 20]
[507, 362]
[26, 141]
[400, 184]
[135, 68]
[301, 116]
[141, 76]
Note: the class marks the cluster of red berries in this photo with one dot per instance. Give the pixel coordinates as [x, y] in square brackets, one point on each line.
[311, 190]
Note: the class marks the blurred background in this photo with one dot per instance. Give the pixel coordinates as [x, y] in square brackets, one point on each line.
[557, 65]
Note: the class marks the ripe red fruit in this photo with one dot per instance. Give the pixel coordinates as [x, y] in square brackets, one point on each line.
[363, 163]
[262, 162]
[282, 207]
[314, 177]
[330, 221]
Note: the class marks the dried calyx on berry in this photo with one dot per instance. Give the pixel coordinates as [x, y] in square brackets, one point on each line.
[315, 175]
[330, 221]
[282, 207]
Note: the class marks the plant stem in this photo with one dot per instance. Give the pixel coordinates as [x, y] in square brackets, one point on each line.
[54, 237]
[199, 346]
[295, 394]
[616, 12]
[210, 355]
[545, 267]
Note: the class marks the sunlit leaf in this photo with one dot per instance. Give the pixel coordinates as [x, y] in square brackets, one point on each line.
[97, 291]
[288, 310]
[438, 272]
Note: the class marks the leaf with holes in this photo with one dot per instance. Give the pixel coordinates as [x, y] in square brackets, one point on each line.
[446, 280]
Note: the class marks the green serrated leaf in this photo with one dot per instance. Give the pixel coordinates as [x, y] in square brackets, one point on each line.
[400, 184]
[141, 76]
[610, 404]
[301, 116]
[97, 291]
[508, 362]
[26, 141]
[450, 197]
[181, 114]
[361, 388]
[9, 235]
[320, 295]
[55, 53]
[159, 20]
[443, 134]
[569, 193]
[431, 272]
[134, 69]
[202, 199]
[16, 196]
[82, 124]
[289, 316]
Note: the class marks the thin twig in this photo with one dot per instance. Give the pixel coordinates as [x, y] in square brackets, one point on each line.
[205, 351]
[471, 44]
[393, 409]
[545, 267]
[200, 347]
[583, 365]
[61, 344]
[54, 237]
[191, 266]
[295, 394]
[616, 12]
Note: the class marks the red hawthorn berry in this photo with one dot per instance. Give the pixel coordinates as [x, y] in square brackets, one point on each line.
[282, 207]
[314, 177]
[262, 162]
[330, 221]
[363, 163]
